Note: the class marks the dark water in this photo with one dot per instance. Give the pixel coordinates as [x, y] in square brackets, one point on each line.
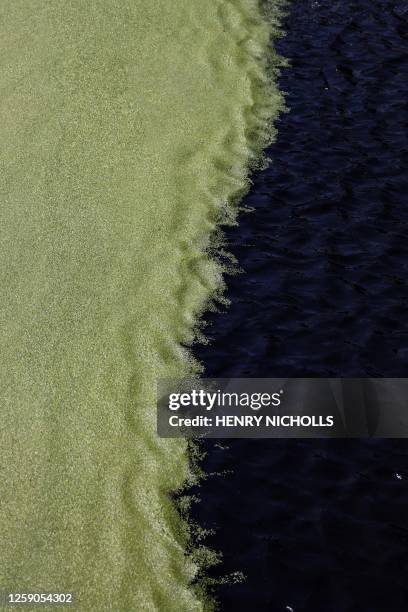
[321, 525]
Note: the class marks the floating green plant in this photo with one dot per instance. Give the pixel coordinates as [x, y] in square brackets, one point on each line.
[127, 132]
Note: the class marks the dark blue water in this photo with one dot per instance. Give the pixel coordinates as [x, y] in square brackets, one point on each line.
[321, 525]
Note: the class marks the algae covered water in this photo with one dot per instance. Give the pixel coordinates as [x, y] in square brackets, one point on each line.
[126, 129]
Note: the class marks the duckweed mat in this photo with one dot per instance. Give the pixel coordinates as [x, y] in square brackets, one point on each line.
[127, 131]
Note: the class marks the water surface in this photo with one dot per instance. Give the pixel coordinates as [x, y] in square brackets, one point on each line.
[321, 525]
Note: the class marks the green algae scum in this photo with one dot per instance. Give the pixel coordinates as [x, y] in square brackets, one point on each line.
[127, 131]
